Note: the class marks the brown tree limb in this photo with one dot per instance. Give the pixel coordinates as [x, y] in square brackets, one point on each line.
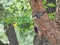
[49, 27]
[10, 32]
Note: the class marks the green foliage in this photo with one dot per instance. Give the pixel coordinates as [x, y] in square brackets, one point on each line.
[51, 5]
[19, 11]
[25, 25]
[3, 36]
[51, 15]
[24, 22]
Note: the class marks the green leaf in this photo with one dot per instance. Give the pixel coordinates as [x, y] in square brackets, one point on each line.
[45, 7]
[51, 5]
[51, 15]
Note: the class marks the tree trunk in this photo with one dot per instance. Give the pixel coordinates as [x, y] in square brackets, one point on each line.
[58, 10]
[57, 20]
[10, 32]
[48, 27]
[43, 40]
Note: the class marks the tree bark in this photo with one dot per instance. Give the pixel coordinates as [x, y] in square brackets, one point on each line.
[58, 10]
[57, 20]
[49, 28]
[10, 32]
[43, 40]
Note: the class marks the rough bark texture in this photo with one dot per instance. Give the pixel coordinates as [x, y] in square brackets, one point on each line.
[57, 20]
[48, 27]
[10, 32]
[58, 10]
[48, 10]
[41, 40]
